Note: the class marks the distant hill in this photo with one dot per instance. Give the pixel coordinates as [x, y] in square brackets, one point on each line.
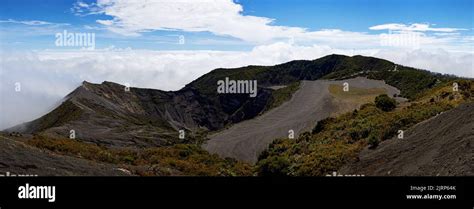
[107, 114]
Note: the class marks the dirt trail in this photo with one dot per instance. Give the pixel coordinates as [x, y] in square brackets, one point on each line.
[312, 102]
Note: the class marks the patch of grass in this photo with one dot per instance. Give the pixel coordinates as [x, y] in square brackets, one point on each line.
[355, 95]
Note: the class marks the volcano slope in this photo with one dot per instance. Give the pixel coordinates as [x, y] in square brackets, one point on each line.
[440, 146]
[314, 101]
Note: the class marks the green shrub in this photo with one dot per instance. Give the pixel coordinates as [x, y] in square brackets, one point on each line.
[373, 141]
[274, 166]
[321, 124]
[385, 103]
[354, 134]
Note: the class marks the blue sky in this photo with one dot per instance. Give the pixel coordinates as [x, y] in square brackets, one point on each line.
[359, 15]
[345, 15]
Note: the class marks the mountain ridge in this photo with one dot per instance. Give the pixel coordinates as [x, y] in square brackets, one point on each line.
[107, 114]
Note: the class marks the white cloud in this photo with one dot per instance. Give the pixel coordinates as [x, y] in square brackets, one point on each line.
[31, 22]
[220, 17]
[81, 4]
[422, 27]
[105, 22]
[81, 8]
